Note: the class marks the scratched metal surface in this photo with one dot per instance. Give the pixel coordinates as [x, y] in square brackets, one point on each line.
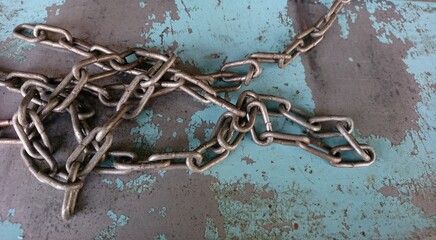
[378, 65]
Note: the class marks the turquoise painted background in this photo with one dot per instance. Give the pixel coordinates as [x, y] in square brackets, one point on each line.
[282, 192]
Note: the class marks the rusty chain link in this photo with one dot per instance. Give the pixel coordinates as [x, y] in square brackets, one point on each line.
[44, 98]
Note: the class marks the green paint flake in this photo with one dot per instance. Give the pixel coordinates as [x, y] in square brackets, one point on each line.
[120, 184]
[179, 120]
[11, 212]
[107, 181]
[162, 172]
[111, 231]
[163, 212]
[142, 183]
[160, 236]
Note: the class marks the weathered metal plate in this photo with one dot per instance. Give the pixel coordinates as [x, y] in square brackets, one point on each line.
[378, 65]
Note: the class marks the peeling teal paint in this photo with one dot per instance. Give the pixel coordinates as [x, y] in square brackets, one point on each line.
[209, 116]
[120, 184]
[160, 236]
[11, 212]
[310, 198]
[342, 20]
[111, 231]
[10, 230]
[210, 231]
[140, 184]
[180, 120]
[12, 14]
[15, 49]
[162, 172]
[345, 17]
[285, 82]
[107, 181]
[163, 212]
[308, 201]
[147, 133]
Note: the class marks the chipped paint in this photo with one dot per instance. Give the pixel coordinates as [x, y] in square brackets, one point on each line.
[300, 181]
[10, 230]
[160, 236]
[210, 231]
[162, 173]
[12, 14]
[110, 232]
[346, 17]
[376, 87]
[163, 212]
[140, 184]
[147, 132]
[276, 191]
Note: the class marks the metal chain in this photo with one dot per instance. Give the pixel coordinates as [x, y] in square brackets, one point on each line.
[45, 97]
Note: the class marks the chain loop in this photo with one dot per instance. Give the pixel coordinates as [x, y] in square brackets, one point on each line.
[83, 89]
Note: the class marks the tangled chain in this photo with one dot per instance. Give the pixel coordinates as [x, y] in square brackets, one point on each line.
[44, 97]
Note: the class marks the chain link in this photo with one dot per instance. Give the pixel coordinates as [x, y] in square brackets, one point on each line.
[153, 75]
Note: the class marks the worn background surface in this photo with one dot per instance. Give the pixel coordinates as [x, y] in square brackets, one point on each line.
[378, 65]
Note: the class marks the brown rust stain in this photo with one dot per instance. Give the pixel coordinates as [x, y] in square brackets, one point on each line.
[375, 89]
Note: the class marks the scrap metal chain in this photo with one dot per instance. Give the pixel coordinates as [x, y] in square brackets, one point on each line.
[154, 75]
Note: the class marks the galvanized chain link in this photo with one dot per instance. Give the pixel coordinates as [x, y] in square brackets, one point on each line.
[154, 75]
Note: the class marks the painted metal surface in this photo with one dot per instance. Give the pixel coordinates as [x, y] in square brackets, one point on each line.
[378, 65]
